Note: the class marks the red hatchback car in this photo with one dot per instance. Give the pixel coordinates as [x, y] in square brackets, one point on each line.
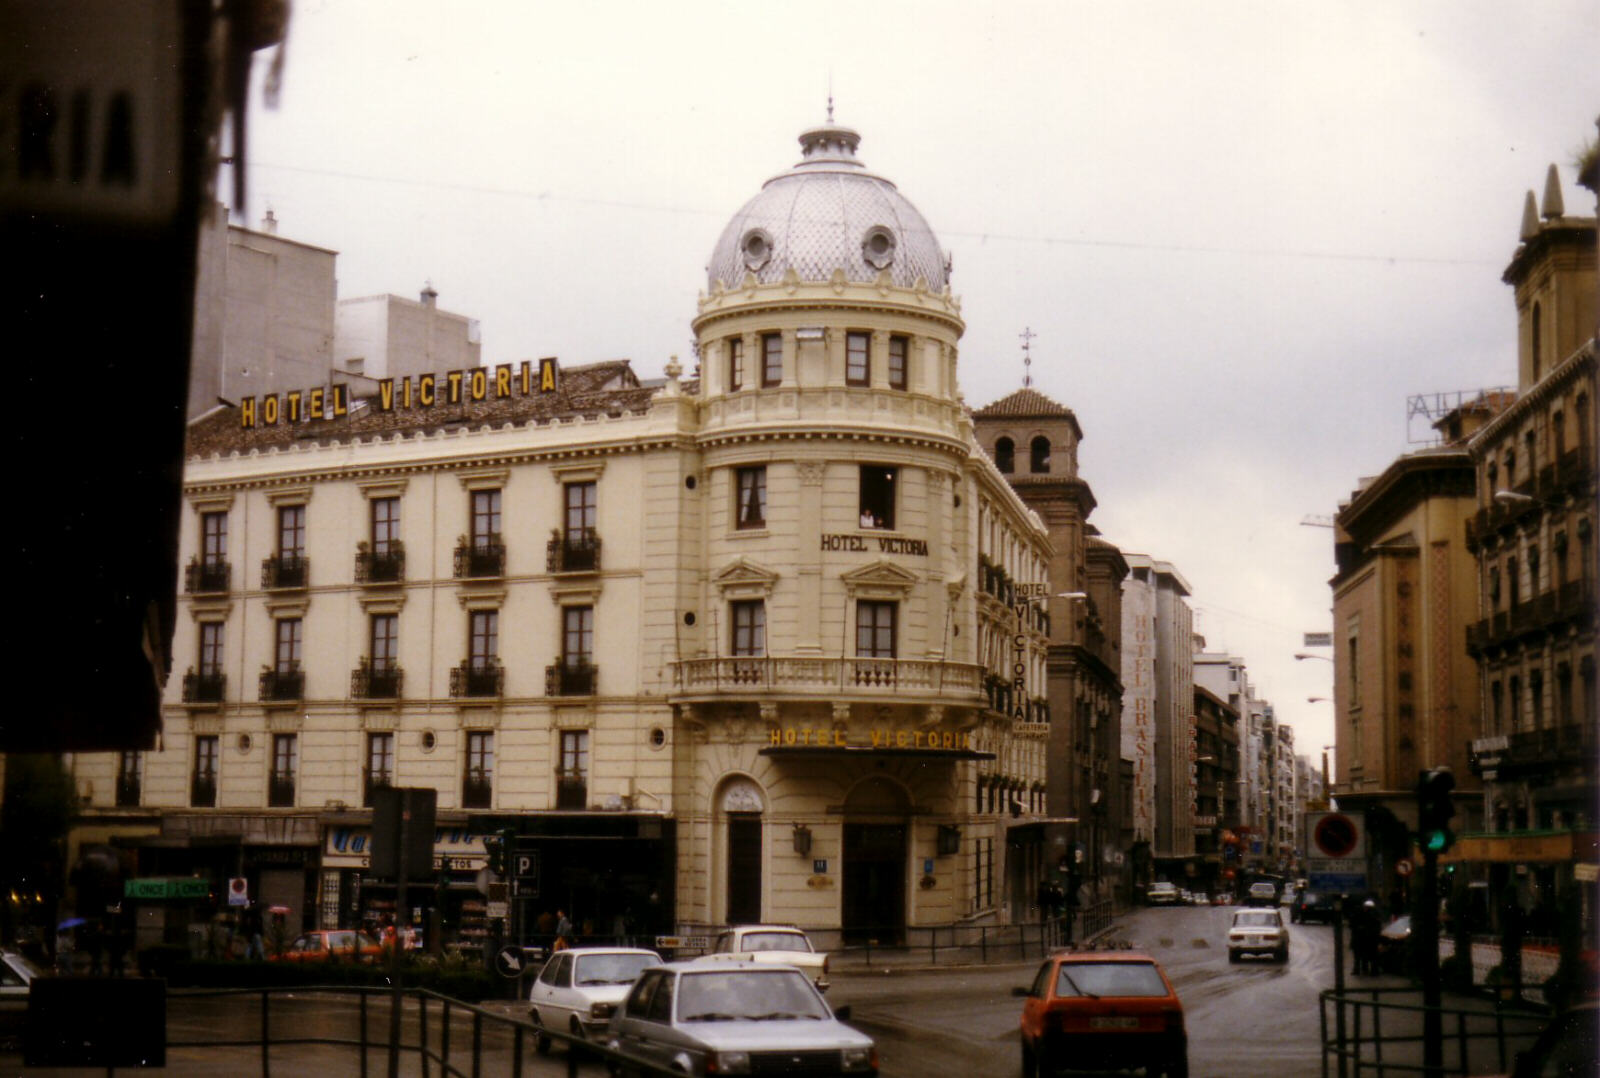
[1104, 1010]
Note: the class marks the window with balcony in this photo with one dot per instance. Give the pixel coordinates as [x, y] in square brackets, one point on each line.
[577, 548]
[288, 568]
[378, 677]
[285, 763]
[477, 783]
[735, 364]
[751, 492]
[130, 768]
[572, 777]
[285, 680]
[877, 496]
[749, 620]
[380, 765]
[875, 629]
[204, 684]
[208, 572]
[482, 552]
[574, 675]
[481, 674]
[771, 359]
[382, 559]
[857, 371]
[899, 349]
[203, 779]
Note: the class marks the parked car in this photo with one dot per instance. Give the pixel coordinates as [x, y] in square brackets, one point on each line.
[1394, 945]
[1258, 931]
[781, 944]
[1100, 1009]
[579, 989]
[1162, 893]
[707, 1016]
[1314, 906]
[331, 944]
[1261, 893]
[1199, 898]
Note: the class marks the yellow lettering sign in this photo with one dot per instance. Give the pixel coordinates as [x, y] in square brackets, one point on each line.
[527, 378]
[453, 379]
[269, 410]
[480, 384]
[502, 381]
[294, 406]
[247, 412]
[425, 391]
[341, 400]
[316, 403]
[547, 374]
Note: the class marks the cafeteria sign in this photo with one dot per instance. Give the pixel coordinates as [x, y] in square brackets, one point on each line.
[157, 888]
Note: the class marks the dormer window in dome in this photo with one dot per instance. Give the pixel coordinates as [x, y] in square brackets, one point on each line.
[756, 248]
[877, 247]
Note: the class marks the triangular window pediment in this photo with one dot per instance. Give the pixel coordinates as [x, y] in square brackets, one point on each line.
[879, 579]
[743, 578]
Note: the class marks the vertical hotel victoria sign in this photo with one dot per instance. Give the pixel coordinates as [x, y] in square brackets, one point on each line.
[473, 384]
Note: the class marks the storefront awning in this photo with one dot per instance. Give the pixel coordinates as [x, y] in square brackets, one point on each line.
[1528, 847]
[841, 752]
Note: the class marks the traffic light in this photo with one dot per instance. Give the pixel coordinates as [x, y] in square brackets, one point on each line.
[494, 846]
[1435, 809]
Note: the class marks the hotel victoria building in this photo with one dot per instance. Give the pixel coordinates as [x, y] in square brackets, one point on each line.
[766, 641]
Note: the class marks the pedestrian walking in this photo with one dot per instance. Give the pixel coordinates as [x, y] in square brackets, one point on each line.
[563, 931]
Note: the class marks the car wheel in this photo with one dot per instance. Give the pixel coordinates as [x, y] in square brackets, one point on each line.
[1233, 957]
[541, 1039]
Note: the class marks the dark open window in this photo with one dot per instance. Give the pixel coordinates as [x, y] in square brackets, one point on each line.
[1039, 454]
[1005, 455]
[572, 778]
[285, 762]
[477, 784]
[203, 782]
[877, 496]
[875, 629]
[380, 765]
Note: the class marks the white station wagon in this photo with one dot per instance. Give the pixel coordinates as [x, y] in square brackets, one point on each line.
[783, 945]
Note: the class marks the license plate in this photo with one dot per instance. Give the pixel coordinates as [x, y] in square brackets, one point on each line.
[1113, 1023]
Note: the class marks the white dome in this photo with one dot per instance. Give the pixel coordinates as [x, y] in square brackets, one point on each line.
[826, 213]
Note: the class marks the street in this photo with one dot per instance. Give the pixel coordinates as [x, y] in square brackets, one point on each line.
[1255, 1018]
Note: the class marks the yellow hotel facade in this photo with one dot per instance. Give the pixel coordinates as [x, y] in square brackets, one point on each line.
[763, 642]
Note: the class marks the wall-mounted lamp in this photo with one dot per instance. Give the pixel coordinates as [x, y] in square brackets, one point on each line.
[949, 840]
[802, 839]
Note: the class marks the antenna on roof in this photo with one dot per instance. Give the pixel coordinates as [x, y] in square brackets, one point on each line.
[830, 95]
[1027, 336]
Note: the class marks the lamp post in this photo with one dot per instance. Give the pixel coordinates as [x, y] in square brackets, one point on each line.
[1309, 655]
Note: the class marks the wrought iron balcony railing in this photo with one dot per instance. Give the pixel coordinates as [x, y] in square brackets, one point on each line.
[206, 687]
[477, 677]
[206, 577]
[376, 679]
[385, 566]
[571, 679]
[573, 553]
[477, 790]
[286, 684]
[203, 790]
[572, 791]
[285, 571]
[479, 558]
[280, 791]
[373, 781]
[829, 676]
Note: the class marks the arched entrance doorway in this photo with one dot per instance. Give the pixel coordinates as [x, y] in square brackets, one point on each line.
[873, 902]
[741, 805]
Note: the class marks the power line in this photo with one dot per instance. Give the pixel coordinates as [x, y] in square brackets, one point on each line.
[981, 237]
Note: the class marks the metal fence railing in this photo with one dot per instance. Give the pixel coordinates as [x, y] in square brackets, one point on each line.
[1379, 1031]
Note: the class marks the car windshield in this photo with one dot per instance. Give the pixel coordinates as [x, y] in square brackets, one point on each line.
[1109, 979]
[771, 995]
[1262, 889]
[1256, 919]
[612, 968]
[775, 941]
[1310, 898]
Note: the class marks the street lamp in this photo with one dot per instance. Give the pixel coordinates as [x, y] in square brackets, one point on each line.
[1319, 699]
[1308, 655]
[1515, 499]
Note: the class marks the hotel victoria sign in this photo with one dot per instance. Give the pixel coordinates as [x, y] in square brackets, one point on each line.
[424, 391]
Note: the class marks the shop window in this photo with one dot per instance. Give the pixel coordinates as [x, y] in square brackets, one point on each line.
[751, 510]
[899, 350]
[857, 370]
[477, 783]
[877, 496]
[1005, 455]
[771, 359]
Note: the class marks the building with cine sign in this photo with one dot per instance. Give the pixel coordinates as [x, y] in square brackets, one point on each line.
[767, 642]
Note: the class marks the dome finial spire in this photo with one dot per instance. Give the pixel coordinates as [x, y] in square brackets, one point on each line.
[1027, 336]
[830, 95]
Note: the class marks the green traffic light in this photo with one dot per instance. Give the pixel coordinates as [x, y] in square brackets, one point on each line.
[1437, 841]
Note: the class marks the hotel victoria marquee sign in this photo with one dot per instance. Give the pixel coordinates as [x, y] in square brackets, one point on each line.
[424, 391]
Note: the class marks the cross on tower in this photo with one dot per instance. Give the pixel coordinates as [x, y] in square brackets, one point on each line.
[1027, 336]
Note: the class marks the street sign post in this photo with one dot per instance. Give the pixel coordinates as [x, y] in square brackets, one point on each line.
[1336, 855]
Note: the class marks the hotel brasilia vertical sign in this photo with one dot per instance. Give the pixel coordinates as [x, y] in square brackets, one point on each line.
[1138, 706]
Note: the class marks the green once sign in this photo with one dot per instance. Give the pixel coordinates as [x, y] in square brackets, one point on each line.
[162, 887]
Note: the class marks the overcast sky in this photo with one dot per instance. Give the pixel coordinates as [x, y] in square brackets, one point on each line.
[1243, 233]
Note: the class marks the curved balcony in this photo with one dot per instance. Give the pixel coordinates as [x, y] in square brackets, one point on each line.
[906, 680]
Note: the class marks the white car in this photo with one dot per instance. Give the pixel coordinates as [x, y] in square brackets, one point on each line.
[579, 989]
[783, 945]
[1258, 931]
[1162, 893]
